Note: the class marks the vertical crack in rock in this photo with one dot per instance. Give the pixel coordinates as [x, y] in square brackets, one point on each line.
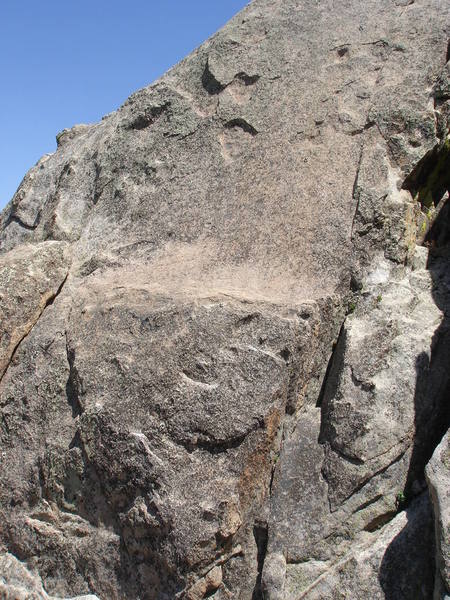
[327, 375]
[74, 384]
[99, 187]
[260, 533]
[355, 191]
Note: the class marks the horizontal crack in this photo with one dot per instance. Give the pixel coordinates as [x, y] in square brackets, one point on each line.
[347, 457]
[367, 503]
[16, 219]
[214, 446]
[366, 480]
[367, 126]
[242, 124]
[380, 520]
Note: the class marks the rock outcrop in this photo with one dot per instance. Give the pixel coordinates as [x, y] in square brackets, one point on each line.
[438, 476]
[224, 351]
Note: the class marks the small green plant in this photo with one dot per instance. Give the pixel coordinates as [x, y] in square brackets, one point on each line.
[351, 307]
[400, 501]
[379, 298]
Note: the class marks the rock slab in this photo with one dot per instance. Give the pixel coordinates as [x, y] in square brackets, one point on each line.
[223, 355]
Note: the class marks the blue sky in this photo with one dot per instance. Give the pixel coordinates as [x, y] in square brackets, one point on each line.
[64, 62]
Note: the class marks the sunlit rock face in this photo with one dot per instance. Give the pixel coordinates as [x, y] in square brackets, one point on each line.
[224, 337]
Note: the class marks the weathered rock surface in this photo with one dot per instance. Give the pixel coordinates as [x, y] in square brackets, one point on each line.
[185, 409]
[17, 583]
[395, 563]
[383, 408]
[438, 477]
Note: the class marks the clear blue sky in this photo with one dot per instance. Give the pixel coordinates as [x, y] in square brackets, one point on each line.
[64, 62]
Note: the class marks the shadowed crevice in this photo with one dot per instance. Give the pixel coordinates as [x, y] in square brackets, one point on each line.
[74, 383]
[430, 179]
[260, 533]
[242, 124]
[12, 218]
[148, 117]
[210, 83]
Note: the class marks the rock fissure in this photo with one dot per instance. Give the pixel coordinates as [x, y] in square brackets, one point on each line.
[149, 116]
[368, 503]
[380, 471]
[326, 377]
[206, 443]
[360, 131]
[355, 191]
[214, 87]
[210, 83]
[74, 384]
[260, 532]
[13, 218]
[354, 460]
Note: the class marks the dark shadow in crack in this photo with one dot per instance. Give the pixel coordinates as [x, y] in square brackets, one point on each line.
[432, 393]
[407, 567]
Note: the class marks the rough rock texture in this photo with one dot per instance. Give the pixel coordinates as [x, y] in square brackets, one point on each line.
[186, 411]
[30, 278]
[388, 565]
[438, 477]
[383, 408]
[17, 583]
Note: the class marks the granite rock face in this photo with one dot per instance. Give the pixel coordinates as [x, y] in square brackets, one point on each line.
[224, 338]
[438, 476]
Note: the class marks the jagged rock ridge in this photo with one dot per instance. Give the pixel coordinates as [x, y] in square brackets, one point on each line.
[224, 346]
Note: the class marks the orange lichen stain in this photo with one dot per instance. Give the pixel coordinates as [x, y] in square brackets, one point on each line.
[254, 480]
